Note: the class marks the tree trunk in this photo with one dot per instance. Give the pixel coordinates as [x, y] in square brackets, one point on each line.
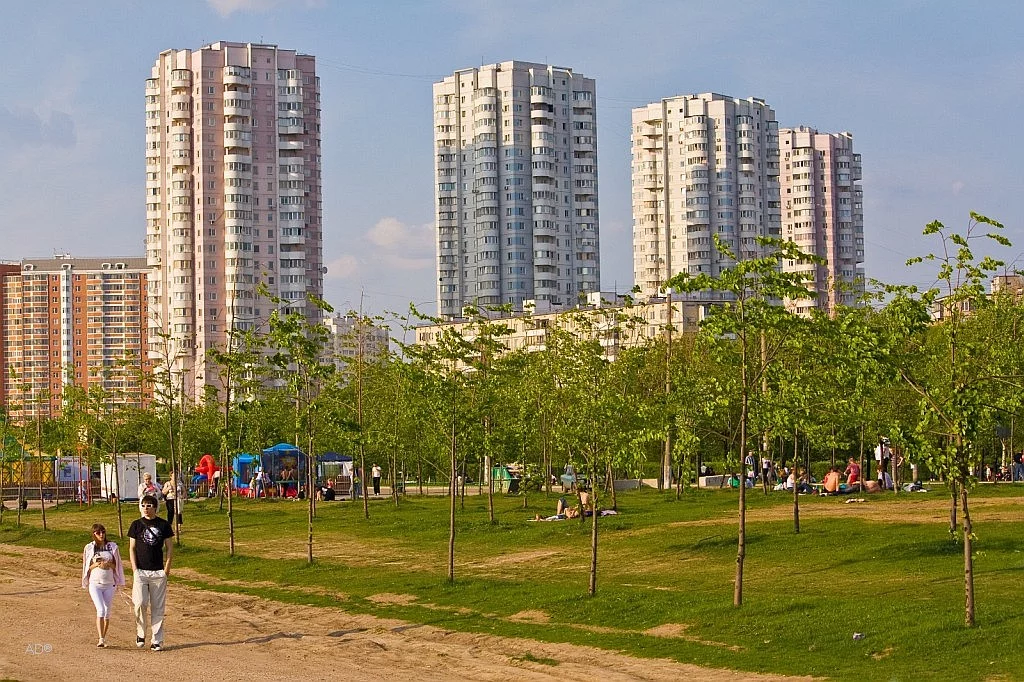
[615, 499]
[863, 475]
[592, 587]
[39, 456]
[968, 561]
[796, 485]
[366, 493]
[952, 507]
[310, 496]
[454, 493]
[489, 477]
[741, 545]
[394, 478]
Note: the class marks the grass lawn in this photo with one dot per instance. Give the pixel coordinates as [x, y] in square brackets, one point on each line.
[885, 568]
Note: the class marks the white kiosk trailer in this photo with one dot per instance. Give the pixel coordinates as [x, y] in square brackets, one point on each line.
[130, 468]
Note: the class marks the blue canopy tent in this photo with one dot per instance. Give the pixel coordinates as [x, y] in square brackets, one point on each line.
[286, 466]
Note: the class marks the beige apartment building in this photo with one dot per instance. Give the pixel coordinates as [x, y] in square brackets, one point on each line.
[822, 212]
[515, 165]
[78, 321]
[349, 338]
[607, 319]
[702, 165]
[233, 196]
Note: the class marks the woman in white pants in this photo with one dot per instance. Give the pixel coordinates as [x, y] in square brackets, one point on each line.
[102, 574]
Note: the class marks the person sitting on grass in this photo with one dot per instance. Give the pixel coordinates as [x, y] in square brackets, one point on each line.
[734, 481]
[872, 487]
[831, 482]
[561, 510]
[852, 473]
[803, 487]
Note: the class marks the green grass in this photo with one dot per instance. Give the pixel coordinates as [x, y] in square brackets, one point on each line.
[886, 568]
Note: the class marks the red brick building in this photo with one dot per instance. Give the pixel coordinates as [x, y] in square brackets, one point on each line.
[78, 321]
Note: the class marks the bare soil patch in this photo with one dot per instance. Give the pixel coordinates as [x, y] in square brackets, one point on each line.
[47, 632]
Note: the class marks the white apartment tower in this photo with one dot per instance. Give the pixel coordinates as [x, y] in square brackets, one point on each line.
[232, 195]
[516, 186]
[702, 165]
[822, 212]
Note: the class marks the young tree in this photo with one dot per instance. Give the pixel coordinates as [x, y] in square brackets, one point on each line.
[954, 401]
[297, 355]
[599, 421]
[756, 287]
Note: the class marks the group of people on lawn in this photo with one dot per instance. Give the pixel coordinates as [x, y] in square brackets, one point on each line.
[832, 484]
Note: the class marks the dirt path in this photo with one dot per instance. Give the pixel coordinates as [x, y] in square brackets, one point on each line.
[47, 632]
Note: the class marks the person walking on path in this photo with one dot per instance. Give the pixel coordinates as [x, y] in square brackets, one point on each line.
[376, 480]
[102, 574]
[170, 491]
[148, 487]
[150, 550]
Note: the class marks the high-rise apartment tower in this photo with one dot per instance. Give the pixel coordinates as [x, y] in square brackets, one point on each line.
[516, 186]
[822, 212]
[702, 165]
[232, 196]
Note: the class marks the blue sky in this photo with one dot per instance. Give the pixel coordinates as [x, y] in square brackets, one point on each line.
[930, 91]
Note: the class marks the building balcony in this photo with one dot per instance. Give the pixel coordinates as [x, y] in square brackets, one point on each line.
[236, 75]
[282, 223]
[235, 141]
[181, 78]
[292, 239]
[181, 113]
[242, 126]
[237, 157]
[746, 166]
[180, 98]
[648, 130]
[544, 98]
[294, 145]
[651, 144]
[651, 182]
[181, 194]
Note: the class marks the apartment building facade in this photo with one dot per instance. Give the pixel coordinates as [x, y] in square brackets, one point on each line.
[702, 165]
[349, 338]
[614, 324]
[516, 188]
[233, 196]
[78, 321]
[822, 212]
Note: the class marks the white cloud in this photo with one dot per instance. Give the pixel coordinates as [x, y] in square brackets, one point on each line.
[22, 127]
[226, 8]
[391, 235]
[958, 187]
[345, 266]
[403, 263]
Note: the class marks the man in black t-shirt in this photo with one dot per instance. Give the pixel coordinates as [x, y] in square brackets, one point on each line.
[150, 550]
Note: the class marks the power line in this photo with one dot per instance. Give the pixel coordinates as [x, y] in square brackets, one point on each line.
[366, 71]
